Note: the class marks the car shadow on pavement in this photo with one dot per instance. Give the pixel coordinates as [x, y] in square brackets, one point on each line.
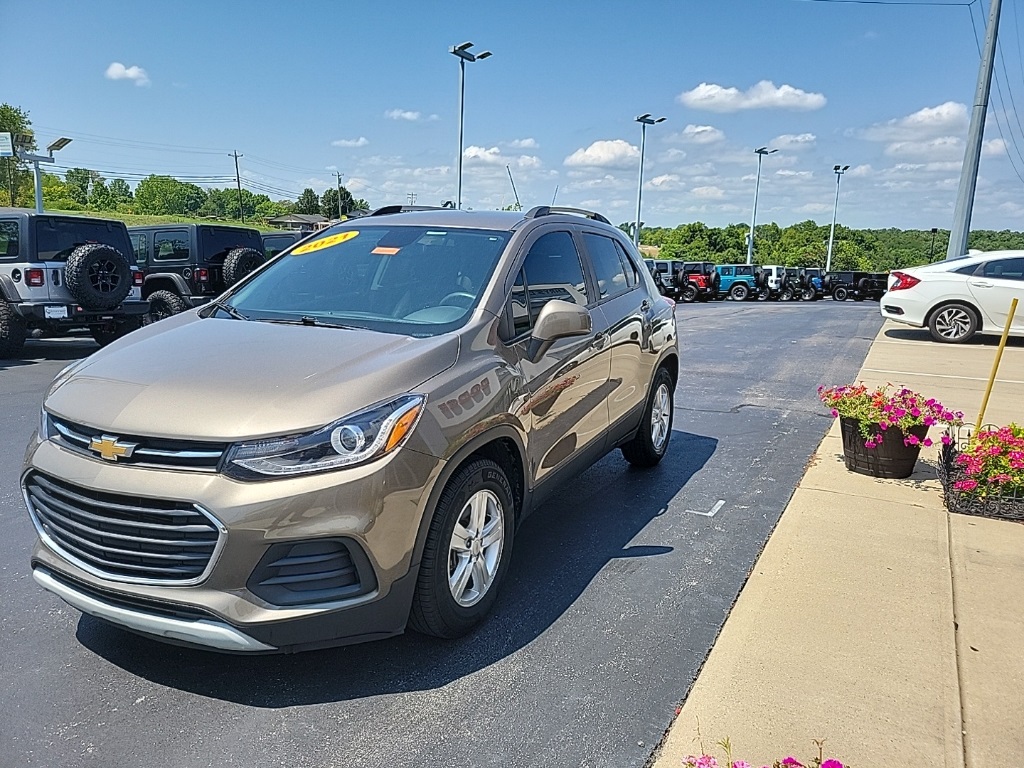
[559, 550]
[922, 334]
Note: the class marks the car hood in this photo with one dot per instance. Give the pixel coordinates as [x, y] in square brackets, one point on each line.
[223, 380]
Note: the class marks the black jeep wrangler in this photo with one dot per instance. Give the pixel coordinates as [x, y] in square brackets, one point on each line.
[62, 272]
[856, 285]
[187, 265]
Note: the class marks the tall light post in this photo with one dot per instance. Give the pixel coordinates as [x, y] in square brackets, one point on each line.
[645, 119]
[462, 53]
[27, 157]
[839, 171]
[760, 152]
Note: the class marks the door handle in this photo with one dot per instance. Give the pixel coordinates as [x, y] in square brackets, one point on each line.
[645, 305]
[599, 341]
[981, 284]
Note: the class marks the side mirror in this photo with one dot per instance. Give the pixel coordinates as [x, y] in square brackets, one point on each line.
[557, 320]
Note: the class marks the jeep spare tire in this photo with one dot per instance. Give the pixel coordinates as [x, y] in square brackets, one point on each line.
[239, 263]
[761, 280]
[98, 276]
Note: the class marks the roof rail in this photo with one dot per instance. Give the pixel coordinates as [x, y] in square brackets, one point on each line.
[546, 210]
[389, 209]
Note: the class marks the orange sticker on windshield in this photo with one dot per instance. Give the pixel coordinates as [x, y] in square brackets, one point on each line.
[325, 242]
[380, 250]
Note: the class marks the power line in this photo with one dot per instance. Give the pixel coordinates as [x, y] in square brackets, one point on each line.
[890, 2]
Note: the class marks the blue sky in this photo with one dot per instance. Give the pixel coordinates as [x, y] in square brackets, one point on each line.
[370, 90]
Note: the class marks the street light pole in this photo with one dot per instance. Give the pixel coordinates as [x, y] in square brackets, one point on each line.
[27, 157]
[839, 170]
[645, 119]
[760, 152]
[463, 54]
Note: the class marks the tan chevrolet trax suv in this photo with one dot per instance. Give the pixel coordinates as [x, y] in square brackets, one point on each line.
[346, 441]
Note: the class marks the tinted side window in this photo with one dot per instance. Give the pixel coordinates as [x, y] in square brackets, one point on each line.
[553, 271]
[170, 246]
[608, 267]
[8, 238]
[628, 265]
[216, 242]
[725, 271]
[274, 245]
[139, 243]
[744, 270]
[1005, 269]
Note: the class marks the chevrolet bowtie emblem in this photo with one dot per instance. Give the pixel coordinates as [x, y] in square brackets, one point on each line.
[110, 449]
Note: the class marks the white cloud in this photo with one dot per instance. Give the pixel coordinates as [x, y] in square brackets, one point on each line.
[362, 141]
[927, 123]
[789, 174]
[700, 134]
[605, 154]
[861, 171]
[493, 156]
[524, 144]
[403, 114]
[665, 181]
[674, 154]
[943, 148]
[118, 71]
[993, 148]
[763, 95]
[791, 141]
[709, 193]
[814, 208]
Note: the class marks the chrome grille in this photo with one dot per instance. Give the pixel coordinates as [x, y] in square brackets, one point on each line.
[125, 538]
[148, 451]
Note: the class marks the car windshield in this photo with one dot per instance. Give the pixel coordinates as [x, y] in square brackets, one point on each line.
[416, 281]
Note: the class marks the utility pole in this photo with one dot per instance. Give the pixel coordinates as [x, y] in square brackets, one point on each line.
[338, 175]
[975, 135]
[238, 182]
[412, 198]
[519, 206]
[839, 170]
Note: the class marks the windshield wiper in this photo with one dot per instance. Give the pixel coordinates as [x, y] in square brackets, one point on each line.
[225, 307]
[306, 320]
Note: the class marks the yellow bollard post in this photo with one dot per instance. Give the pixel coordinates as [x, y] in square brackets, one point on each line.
[995, 364]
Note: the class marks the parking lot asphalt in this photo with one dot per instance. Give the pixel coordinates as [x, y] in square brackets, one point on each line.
[619, 586]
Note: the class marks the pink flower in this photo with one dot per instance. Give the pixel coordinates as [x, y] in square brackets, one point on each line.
[915, 412]
[831, 764]
[883, 424]
[706, 761]
[792, 761]
[928, 442]
[911, 440]
[965, 485]
[740, 764]
[835, 412]
[947, 440]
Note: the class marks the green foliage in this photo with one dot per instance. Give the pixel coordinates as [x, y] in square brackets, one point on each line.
[329, 203]
[164, 195]
[308, 202]
[120, 193]
[15, 178]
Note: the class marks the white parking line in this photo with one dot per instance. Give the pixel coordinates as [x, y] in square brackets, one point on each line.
[712, 512]
[939, 375]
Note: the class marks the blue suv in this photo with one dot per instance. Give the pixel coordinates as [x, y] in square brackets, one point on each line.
[737, 281]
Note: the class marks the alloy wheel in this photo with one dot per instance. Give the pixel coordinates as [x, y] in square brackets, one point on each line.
[953, 323]
[475, 549]
[661, 417]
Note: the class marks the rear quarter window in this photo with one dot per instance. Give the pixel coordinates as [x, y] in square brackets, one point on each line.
[9, 240]
[57, 237]
[216, 242]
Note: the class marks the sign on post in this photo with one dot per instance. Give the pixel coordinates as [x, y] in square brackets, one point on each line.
[6, 145]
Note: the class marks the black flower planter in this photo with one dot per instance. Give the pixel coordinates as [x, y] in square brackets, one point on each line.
[889, 459]
[995, 504]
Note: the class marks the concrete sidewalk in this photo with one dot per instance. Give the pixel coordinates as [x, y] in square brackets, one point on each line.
[874, 619]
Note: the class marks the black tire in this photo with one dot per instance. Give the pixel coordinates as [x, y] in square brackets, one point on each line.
[809, 294]
[761, 279]
[163, 304]
[764, 294]
[239, 263]
[114, 330]
[840, 293]
[435, 610]
[643, 450]
[715, 280]
[787, 294]
[12, 332]
[689, 293]
[739, 291]
[98, 276]
[864, 285]
[947, 319]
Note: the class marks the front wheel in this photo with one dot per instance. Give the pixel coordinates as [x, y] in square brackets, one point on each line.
[840, 294]
[739, 292]
[809, 294]
[649, 445]
[764, 294]
[689, 294]
[787, 294]
[466, 553]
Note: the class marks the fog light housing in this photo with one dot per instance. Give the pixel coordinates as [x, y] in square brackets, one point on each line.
[312, 571]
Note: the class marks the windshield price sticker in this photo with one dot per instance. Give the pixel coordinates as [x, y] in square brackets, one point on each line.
[325, 242]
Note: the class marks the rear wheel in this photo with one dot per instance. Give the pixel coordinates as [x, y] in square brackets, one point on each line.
[689, 294]
[739, 292]
[466, 553]
[787, 294]
[12, 332]
[840, 294]
[163, 304]
[114, 330]
[953, 324]
[650, 443]
[808, 294]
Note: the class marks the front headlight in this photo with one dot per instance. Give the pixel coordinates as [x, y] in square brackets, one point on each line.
[356, 439]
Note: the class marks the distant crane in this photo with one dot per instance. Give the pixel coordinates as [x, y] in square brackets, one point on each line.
[519, 206]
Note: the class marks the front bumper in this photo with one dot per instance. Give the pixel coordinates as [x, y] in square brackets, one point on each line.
[73, 315]
[379, 507]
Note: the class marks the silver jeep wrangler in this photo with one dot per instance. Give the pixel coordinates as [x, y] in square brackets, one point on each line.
[62, 272]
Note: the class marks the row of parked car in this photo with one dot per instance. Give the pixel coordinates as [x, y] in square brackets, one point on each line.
[690, 281]
[61, 272]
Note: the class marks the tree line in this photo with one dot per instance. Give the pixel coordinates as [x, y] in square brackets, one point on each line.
[805, 244]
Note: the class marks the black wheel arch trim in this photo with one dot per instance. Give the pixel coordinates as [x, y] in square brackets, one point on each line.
[153, 282]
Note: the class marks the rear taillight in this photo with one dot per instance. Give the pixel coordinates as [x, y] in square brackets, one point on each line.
[203, 275]
[903, 281]
[35, 278]
[138, 278]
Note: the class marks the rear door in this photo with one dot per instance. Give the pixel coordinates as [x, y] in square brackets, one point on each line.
[995, 285]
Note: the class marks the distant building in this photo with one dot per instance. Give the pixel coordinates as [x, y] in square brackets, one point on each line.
[303, 222]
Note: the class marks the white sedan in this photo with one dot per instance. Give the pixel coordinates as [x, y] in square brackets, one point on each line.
[958, 298]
